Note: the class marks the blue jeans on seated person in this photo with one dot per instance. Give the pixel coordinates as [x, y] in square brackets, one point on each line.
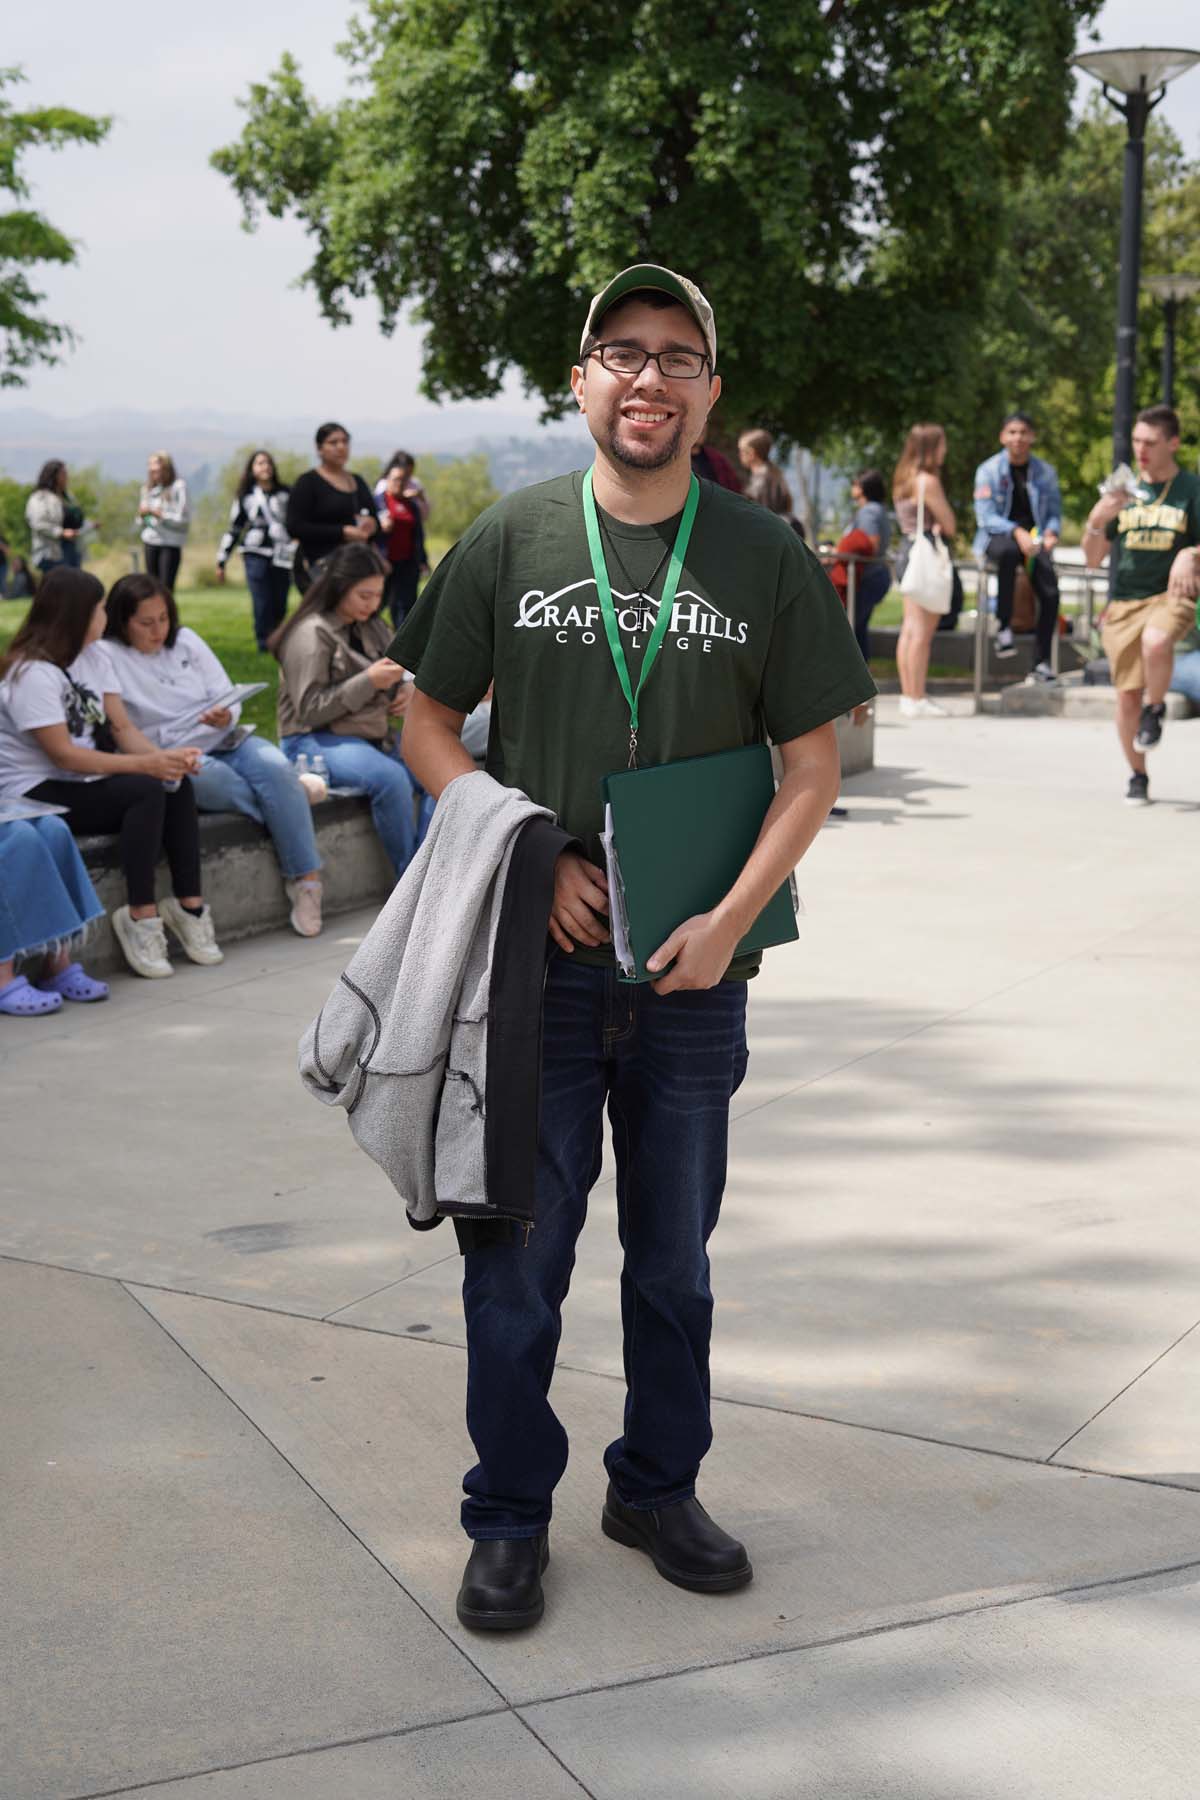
[668, 1066]
[258, 780]
[1185, 678]
[355, 762]
[46, 895]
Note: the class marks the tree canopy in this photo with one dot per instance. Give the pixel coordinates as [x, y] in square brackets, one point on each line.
[835, 176]
[27, 238]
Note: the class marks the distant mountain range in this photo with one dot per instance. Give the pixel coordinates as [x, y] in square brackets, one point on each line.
[519, 450]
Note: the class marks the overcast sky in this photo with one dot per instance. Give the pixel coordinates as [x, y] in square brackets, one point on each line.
[175, 305]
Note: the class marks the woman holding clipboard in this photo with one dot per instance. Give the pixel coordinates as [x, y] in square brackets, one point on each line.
[176, 691]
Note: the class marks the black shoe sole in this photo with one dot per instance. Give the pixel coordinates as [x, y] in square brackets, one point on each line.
[499, 1621]
[621, 1533]
[1141, 743]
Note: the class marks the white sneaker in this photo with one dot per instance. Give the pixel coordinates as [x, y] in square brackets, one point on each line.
[143, 943]
[196, 934]
[1004, 642]
[924, 708]
[305, 897]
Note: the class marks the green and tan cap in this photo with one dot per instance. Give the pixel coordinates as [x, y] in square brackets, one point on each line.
[663, 281]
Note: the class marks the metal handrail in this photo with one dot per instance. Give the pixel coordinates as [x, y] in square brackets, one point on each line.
[981, 569]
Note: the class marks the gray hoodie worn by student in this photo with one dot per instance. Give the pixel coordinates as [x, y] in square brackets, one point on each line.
[431, 1040]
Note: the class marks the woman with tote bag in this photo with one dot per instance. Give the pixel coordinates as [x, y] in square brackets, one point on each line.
[926, 519]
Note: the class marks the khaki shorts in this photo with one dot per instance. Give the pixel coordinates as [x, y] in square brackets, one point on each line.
[1124, 624]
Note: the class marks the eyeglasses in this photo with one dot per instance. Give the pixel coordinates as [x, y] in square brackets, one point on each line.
[630, 359]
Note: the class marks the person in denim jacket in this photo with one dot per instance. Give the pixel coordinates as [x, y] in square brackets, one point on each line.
[1018, 512]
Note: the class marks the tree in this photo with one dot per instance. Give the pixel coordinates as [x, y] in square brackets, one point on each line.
[829, 173]
[27, 238]
[458, 491]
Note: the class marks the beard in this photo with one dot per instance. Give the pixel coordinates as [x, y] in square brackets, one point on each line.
[638, 455]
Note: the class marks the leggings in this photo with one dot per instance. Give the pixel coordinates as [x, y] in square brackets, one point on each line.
[148, 820]
[162, 561]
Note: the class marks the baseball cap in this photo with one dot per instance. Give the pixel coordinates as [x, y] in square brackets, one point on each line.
[663, 281]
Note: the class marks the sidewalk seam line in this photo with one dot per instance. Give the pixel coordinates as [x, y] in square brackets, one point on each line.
[869, 1631]
[257, 1762]
[1153, 1363]
[890, 1431]
[328, 1505]
[327, 1318]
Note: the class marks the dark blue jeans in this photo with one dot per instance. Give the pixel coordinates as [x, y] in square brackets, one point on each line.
[268, 587]
[667, 1065]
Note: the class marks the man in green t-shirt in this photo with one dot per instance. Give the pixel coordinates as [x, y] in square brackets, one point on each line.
[1156, 528]
[757, 646]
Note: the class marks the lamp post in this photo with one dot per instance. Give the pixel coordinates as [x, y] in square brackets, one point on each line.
[1170, 289]
[1134, 81]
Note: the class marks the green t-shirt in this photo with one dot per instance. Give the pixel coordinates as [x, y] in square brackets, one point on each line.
[758, 647]
[1151, 533]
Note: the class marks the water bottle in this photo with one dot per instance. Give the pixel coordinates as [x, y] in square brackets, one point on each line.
[321, 767]
[302, 764]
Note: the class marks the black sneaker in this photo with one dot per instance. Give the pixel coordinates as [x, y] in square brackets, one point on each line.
[1150, 726]
[1041, 675]
[1138, 791]
[1004, 642]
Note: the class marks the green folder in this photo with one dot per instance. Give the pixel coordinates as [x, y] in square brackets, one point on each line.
[676, 839]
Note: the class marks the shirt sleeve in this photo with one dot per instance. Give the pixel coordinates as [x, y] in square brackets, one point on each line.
[36, 696]
[814, 669]
[448, 639]
[103, 664]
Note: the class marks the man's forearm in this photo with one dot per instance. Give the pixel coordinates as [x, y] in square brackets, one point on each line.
[797, 813]
[434, 751]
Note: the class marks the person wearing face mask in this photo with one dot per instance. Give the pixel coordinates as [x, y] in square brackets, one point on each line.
[67, 739]
[258, 523]
[339, 692]
[173, 687]
[329, 506]
[632, 609]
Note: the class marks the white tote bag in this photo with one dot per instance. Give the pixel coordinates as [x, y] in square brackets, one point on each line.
[929, 574]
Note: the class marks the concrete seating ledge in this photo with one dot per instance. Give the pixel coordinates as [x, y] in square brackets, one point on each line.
[243, 883]
[242, 879]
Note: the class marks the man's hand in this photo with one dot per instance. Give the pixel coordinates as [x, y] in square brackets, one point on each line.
[703, 949]
[1107, 507]
[579, 887]
[1184, 580]
[217, 716]
[1050, 540]
[1024, 540]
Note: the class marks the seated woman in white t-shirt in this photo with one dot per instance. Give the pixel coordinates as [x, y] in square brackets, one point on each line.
[66, 738]
[173, 686]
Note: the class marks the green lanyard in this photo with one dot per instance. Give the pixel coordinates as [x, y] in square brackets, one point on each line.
[666, 605]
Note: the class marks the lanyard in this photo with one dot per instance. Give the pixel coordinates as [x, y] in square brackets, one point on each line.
[666, 605]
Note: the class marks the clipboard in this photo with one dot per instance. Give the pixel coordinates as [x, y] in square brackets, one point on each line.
[676, 839]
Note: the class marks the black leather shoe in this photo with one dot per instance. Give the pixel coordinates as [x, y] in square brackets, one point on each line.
[682, 1542]
[502, 1583]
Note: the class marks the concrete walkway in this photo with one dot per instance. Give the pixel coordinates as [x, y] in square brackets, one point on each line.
[956, 1363]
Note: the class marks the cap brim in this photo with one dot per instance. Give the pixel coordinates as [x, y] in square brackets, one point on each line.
[638, 278]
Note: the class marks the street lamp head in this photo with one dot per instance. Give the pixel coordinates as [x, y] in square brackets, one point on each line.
[1141, 71]
[1172, 287]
